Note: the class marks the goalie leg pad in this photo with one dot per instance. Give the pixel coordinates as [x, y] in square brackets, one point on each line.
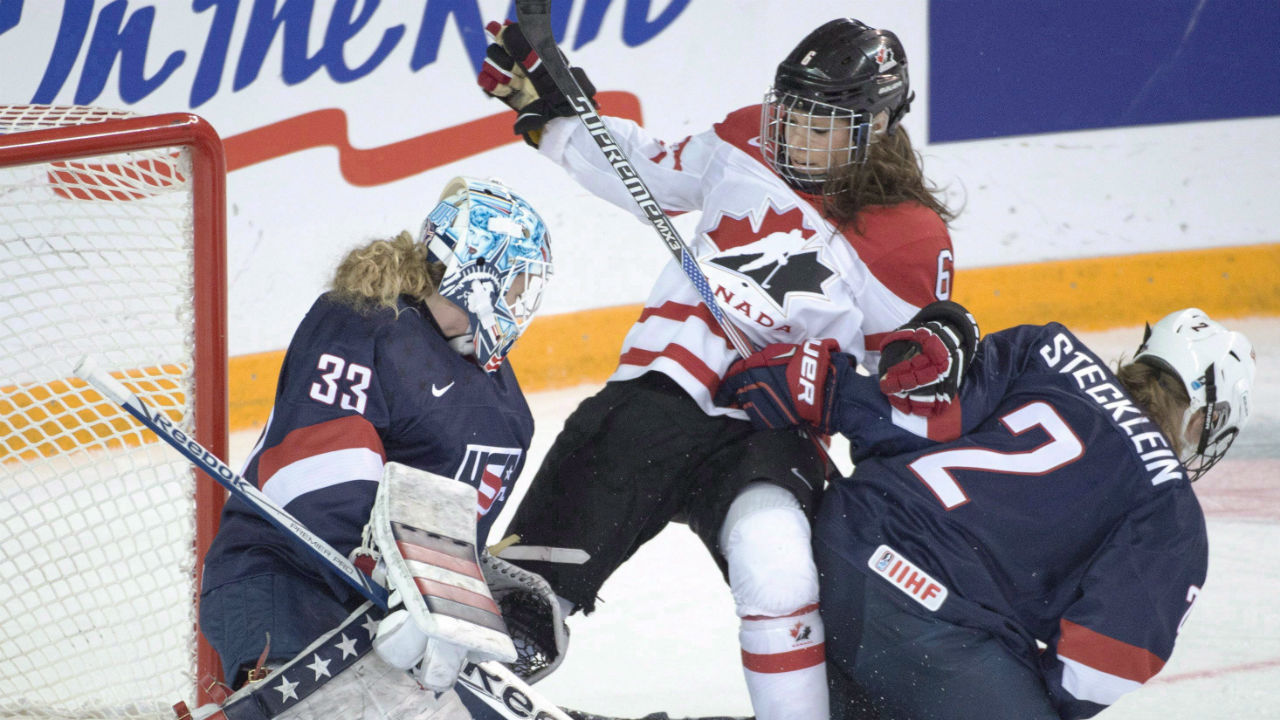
[337, 677]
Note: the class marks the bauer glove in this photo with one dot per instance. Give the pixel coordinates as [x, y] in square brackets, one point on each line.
[785, 385]
[923, 362]
[515, 74]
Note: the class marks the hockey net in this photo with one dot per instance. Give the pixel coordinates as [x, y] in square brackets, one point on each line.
[111, 244]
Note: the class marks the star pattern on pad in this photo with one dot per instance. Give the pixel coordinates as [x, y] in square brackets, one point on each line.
[294, 682]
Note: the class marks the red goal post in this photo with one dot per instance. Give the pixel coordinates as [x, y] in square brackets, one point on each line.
[112, 243]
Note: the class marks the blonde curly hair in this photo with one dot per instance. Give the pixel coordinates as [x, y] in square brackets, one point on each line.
[377, 274]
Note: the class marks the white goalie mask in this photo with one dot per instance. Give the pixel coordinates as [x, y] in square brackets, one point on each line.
[1217, 368]
[497, 257]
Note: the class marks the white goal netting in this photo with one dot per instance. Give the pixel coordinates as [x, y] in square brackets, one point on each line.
[97, 521]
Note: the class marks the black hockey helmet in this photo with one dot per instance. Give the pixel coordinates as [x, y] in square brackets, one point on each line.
[843, 70]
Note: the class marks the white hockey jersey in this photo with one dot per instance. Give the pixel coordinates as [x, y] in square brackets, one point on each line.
[778, 268]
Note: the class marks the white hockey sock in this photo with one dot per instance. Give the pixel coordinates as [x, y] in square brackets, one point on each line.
[784, 661]
[766, 542]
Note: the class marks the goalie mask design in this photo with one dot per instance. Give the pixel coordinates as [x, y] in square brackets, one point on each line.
[497, 257]
[817, 118]
[1217, 368]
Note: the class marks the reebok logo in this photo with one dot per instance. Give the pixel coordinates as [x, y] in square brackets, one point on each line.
[438, 391]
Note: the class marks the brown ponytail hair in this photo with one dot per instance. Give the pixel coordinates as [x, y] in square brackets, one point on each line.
[892, 174]
[1161, 394]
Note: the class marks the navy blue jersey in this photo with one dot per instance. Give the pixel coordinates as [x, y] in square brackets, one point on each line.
[1057, 513]
[356, 390]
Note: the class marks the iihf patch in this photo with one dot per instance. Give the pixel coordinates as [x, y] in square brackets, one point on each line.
[916, 583]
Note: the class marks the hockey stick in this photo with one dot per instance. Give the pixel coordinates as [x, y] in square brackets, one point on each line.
[492, 683]
[534, 17]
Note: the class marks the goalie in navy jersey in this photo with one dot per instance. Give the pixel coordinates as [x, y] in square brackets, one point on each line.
[816, 220]
[401, 361]
[1028, 549]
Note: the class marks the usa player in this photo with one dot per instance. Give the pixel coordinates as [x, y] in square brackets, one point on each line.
[401, 360]
[816, 221]
[1039, 561]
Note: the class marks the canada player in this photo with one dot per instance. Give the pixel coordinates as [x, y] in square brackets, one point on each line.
[1038, 563]
[816, 221]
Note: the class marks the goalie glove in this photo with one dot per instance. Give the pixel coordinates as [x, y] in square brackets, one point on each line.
[515, 74]
[533, 614]
[442, 612]
[923, 362]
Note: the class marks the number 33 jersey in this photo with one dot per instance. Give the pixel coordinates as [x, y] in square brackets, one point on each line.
[356, 390]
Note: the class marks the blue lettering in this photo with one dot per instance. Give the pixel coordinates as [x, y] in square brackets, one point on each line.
[470, 24]
[342, 28]
[10, 13]
[214, 57]
[636, 27]
[295, 16]
[130, 45]
[123, 37]
[589, 23]
[71, 31]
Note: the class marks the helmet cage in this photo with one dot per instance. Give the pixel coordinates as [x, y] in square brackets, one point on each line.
[1216, 433]
[808, 142]
[497, 257]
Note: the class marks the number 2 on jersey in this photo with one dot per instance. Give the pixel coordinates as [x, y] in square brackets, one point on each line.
[1062, 448]
[357, 375]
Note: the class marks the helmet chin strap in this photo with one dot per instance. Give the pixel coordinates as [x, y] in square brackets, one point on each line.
[464, 344]
[1211, 400]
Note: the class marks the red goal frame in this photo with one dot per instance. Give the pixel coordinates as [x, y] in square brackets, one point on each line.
[208, 167]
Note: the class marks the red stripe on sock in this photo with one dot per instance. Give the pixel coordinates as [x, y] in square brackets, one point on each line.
[787, 661]
[801, 611]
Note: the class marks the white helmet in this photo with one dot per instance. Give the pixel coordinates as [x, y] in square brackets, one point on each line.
[497, 256]
[1217, 368]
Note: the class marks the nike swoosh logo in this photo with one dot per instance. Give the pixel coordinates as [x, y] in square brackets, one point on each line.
[438, 391]
[803, 479]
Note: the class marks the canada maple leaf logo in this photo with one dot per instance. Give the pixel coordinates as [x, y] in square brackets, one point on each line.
[775, 253]
[801, 632]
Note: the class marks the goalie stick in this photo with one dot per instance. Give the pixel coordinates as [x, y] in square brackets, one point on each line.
[492, 687]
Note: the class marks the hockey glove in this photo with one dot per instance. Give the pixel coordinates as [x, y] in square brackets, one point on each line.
[425, 527]
[515, 74]
[533, 614]
[923, 362]
[784, 385]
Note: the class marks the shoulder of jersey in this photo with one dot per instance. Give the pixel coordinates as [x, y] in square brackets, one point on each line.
[741, 129]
